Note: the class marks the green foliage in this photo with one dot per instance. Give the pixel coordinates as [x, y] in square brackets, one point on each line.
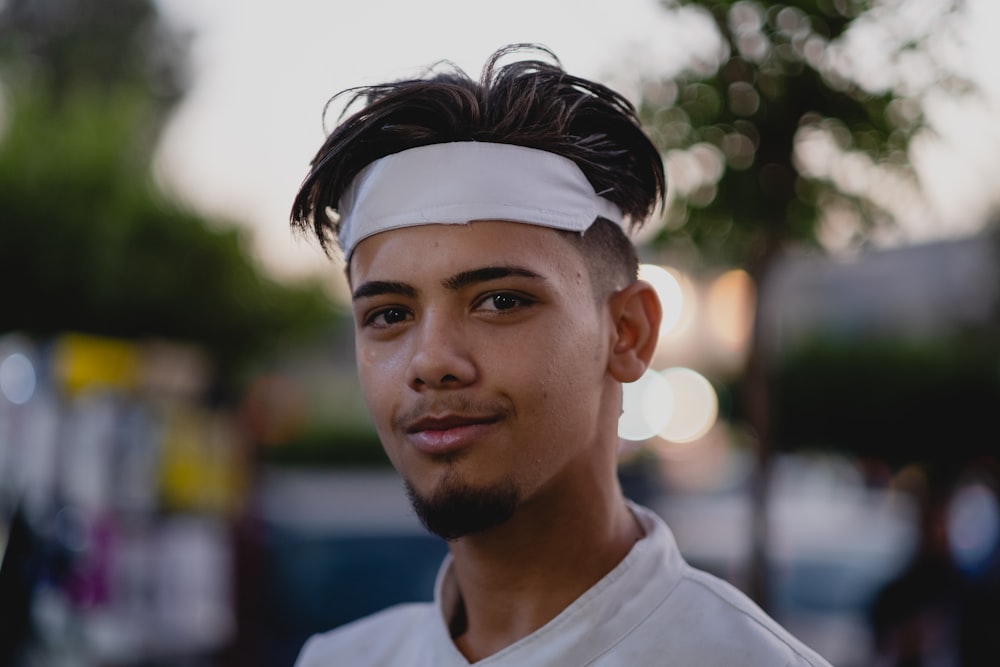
[894, 400]
[778, 75]
[62, 46]
[88, 244]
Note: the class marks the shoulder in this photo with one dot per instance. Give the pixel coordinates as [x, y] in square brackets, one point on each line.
[720, 621]
[378, 639]
[697, 618]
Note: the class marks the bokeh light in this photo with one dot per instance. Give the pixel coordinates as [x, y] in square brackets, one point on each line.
[668, 288]
[678, 404]
[677, 298]
[647, 406]
[730, 309]
[695, 406]
[17, 379]
[973, 526]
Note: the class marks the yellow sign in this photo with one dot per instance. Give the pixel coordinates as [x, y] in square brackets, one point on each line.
[82, 362]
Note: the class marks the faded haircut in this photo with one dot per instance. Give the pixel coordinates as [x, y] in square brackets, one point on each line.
[528, 102]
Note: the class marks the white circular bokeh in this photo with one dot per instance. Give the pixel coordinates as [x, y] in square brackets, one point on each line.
[973, 526]
[647, 406]
[670, 292]
[696, 405]
[17, 379]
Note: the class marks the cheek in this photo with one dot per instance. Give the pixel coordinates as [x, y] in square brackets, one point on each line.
[367, 359]
[578, 353]
[563, 379]
[378, 374]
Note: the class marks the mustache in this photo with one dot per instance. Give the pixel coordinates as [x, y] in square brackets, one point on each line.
[453, 405]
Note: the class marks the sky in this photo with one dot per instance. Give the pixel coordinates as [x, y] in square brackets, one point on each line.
[241, 141]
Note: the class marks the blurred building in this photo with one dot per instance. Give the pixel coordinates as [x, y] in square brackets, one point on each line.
[919, 291]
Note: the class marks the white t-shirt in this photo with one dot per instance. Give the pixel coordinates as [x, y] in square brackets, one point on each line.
[651, 609]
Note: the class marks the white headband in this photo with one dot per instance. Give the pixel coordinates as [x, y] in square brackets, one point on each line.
[456, 183]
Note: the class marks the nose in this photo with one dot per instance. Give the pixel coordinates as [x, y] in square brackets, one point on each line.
[441, 356]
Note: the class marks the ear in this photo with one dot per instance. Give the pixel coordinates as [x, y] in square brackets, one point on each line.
[636, 311]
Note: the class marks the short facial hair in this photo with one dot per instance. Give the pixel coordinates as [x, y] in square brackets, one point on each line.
[455, 510]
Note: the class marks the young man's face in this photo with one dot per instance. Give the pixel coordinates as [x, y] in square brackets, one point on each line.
[483, 357]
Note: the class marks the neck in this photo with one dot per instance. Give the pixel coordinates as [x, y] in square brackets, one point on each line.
[515, 578]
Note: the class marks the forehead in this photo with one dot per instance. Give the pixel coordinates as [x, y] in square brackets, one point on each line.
[434, 251]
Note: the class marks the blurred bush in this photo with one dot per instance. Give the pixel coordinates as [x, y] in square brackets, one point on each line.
[931, 402]
[87, 241]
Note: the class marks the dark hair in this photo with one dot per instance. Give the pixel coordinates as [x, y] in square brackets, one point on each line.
[530, 103]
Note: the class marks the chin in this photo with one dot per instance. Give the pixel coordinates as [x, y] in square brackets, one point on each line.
[454, 510]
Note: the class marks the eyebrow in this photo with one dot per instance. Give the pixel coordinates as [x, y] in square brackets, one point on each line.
[487, 273]
[379, 287]
[455, 282]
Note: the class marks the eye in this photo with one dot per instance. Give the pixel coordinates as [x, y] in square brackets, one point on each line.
[505, 301]
[386, 317]
[502, 301]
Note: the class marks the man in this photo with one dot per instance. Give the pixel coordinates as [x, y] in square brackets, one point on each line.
[497, 315]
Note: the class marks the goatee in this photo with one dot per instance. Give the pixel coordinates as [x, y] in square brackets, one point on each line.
[455, 510]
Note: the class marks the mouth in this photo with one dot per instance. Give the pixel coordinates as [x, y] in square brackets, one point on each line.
[448, 422]
[449, 433]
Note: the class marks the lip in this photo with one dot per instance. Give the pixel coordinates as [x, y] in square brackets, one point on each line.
[448, 433]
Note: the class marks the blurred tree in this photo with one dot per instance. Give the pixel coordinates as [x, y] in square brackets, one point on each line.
[801, 122]
[106, 45]
[796, 131]
[87, 243]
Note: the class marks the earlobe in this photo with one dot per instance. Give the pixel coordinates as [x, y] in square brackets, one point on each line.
[636, 311]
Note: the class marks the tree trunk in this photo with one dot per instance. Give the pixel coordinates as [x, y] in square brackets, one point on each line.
[757, 405]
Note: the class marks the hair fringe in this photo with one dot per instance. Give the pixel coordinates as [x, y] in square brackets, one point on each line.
[530, 102]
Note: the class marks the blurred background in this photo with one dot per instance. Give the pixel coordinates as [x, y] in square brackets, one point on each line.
[187, 473]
